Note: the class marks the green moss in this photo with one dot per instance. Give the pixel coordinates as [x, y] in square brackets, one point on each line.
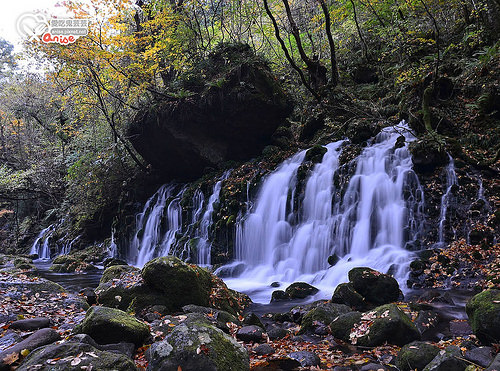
[416, 355]
[115, 271]
[484, 315]
[322, 314]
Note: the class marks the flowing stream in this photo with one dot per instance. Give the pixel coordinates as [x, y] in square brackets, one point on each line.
[446, 199]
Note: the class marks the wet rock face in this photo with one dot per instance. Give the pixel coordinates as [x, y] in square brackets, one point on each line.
[230, 114]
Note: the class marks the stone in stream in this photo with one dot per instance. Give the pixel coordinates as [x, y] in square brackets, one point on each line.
[264, 349]
[109, 325]
[195, 344]
[276, 333]
[253, 319]
[342, 326]
[75, 356]
[373, 286]
[30, 324]
[416, 355]
[484, 315]
[346, 294]
[300, 290]
[39, 338]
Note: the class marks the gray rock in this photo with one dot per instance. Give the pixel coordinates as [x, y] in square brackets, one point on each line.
[322, 316]
[482, 356]
[495, 365]
[484, 315]
[39, 338]
[197, 345]
[276, 333]
[30, 324]
[126, 349]
[9, 339]
[252, 319]
[373, 367]
[250, 334]
[306, 359]
[448, 359]
[341, 326]
[74, 356]
[300, 290]
[264, 349]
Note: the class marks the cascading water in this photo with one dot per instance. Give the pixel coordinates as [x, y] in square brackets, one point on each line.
[451, 181]
[204, 246]
[380, 212]
[66, 247]
[41, 246]
[150, 240]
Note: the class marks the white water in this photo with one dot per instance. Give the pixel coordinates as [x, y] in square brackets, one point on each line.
[66, 247]
[41, 246]
[451, 180]
[150, 240]
[368, 226]
[204, 246]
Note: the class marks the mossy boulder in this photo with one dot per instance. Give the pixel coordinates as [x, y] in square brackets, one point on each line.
[197, 345]
[342, 326]
[72, 356]
[360, 131]
[182, 282]
[484, 315]
[110, 325]
[23, 263]
[322, 316]
[377, 288]
[386, 323]
[427, 154]
[300, 290]
[115, 272]
[416, 355]
[346, 294]
[69, 264]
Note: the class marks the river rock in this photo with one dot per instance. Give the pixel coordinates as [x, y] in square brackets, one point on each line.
[264, 349]
[250, 333]
[39, 338]
[279, 295]
[109, 325]
[253, 319]
[30, 324]
[386, 323]
[342, 326]
[346, 294]
[75, 356]
[373, 286]
[109, 262]
[196, 345]
[306, 359]
[300, 290]
[495, 365]
[127, 349]
[484, 315]
[115, 272]
[482, 356]
[9, 339]
[416, 355]
[183, 284]
[449, 359]
[276, 333]
[322, 316]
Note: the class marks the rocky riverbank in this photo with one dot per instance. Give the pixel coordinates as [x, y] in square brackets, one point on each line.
[171, 315]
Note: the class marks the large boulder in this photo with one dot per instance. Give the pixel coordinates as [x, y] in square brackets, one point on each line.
[75, 356]
[300, 290]
[341, 327]
[415, 356]
[110, 325]
[386, 323]
[228, 107]
[346, 294]
[484, 315]
[373, 286]
[196, 345]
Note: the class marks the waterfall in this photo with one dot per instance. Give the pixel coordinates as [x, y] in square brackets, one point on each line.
[41, 246]
[113, 248]
[204, 246]
[162, 212]
[66, 247]
[381, 210]
[451, 181]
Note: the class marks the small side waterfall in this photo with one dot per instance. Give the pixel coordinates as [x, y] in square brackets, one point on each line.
[150, 239]
[204, 246]
[381, 210]
[451, 181]
[41, 246]
[66, 247]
